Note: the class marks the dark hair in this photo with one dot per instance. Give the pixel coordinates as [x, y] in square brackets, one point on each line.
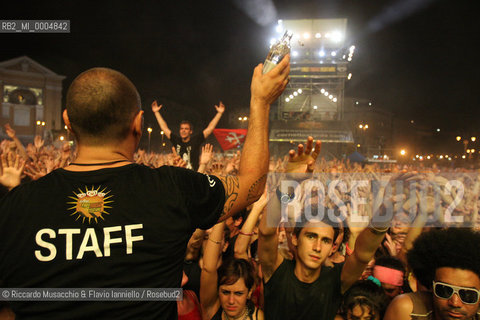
[365, 293]
[390, 262]
[226, 234]
[233, 269]
[315, 212]
[453, 247]
[242, 214]
[187, 122]
[101, 104]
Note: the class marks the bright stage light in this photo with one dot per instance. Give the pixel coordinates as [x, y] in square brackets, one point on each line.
[279, 29]
[306, 35]
[349, 76]
[330, 97]
[333, 53]
[295, 93]
[272, 41]
[299, 90]
[325, 93]
[336, 36]
[334, 99]
[321, 53]
[295, 53]
[318, 35]
[290, 96]
[287, 99]
[322, 90]
[315, 107]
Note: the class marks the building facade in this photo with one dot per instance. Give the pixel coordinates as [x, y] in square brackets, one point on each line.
[30, 98]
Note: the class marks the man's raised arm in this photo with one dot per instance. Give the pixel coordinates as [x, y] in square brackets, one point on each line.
[209, 129]
[248, 185]
[161, 122]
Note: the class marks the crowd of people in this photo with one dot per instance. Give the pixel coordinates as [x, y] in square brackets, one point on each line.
[247, 236]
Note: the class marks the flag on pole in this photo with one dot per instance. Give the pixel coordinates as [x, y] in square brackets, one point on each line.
[230, 138]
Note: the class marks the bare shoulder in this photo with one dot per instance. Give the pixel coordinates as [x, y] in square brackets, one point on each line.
[400, 308]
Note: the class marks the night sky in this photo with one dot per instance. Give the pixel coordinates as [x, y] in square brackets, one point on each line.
[415, 58]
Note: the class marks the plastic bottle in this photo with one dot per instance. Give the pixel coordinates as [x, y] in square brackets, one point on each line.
[279, 50]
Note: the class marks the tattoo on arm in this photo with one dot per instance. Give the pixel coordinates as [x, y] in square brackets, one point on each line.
[254, 190]
[231, 186]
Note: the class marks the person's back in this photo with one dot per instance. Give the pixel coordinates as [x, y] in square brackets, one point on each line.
[124, 227]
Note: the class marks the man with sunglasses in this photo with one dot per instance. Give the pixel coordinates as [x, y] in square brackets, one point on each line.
[447, 263]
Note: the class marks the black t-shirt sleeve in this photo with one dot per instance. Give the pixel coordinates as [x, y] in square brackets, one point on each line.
[204, 196]
[198, 139]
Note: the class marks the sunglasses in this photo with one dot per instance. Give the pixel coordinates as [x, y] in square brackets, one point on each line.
[445, 291]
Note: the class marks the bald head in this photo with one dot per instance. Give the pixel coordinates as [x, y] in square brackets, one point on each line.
[101, 105]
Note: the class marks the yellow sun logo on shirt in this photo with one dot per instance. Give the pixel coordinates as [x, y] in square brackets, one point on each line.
[90, 204]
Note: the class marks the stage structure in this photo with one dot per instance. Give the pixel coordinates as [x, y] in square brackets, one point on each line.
[312, 103]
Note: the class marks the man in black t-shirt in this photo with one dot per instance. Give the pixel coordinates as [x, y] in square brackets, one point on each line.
[104, 221]
[186, 144]
[305, 288]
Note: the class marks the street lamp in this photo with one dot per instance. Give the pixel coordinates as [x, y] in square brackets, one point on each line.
[149, 136]
[163, 143]
[473, 139]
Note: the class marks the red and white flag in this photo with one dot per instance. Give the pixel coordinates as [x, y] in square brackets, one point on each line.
[230, 138]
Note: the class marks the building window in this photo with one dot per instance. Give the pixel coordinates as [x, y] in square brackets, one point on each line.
[21, 116]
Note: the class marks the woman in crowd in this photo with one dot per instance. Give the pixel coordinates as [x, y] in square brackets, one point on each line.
[225, 291]
[365, 300]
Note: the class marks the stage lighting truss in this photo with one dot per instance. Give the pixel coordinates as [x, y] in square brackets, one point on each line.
[309, 46]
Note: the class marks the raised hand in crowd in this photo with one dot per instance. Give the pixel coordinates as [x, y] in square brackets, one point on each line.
[304, 159]
[177, 160]
[35, 170]
[12, 134]
[247, 235]
[205, 157]
[11, 169]
[38, 142]
[220, 108]
[156, 107]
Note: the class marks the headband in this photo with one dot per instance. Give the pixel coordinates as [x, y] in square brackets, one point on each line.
[388, 275]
